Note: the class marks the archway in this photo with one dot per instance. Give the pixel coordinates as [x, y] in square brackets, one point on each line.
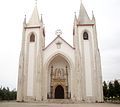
[59, 92]
[58, 75]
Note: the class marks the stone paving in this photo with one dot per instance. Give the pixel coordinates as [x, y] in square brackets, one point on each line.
[15, 104]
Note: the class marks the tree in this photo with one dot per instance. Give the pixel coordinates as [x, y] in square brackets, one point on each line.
[116, 88]
[1, 93]
[105, 89]
[13, 95]
[6, 94]
[110, 90]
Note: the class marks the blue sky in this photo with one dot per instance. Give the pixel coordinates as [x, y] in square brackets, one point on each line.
[58, 14]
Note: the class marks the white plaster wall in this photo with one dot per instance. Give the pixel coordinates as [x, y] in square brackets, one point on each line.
[89, 29]
[87, 50]
[28, 32]
[29, 55]
[31, 63]
[52, 49]
[88, 72]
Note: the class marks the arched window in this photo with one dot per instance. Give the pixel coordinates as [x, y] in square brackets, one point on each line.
[85, 36]
[32, 38]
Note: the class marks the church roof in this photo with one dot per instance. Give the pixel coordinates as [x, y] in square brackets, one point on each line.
[56, 39]
[34, 20]
[83, 16]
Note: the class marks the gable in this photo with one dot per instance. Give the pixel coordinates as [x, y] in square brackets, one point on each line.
[58, 45]
[58, 40]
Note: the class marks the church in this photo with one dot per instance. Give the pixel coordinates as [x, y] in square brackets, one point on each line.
[59, 71]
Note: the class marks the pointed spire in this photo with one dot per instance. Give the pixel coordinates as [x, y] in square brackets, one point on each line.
[83, 16]
[93, 17]
[81, 1]
[75, 19]
[41, 19]
[34, 20]
[24, 22]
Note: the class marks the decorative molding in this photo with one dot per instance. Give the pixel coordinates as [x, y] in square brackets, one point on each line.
[85, 24]
[58, 44]
[32, 27]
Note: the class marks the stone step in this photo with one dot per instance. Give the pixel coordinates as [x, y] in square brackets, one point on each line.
[61, 101]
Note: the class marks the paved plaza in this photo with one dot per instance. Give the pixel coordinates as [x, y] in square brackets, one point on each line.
[15, 104]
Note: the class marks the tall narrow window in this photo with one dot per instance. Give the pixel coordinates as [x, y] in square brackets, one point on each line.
[85, 36]
[32, 38]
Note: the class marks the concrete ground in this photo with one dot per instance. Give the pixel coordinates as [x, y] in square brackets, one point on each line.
[15, 104]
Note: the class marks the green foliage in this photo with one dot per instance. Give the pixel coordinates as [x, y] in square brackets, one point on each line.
[105, 89]
[111, 91]
[116, 88]
[6, 94]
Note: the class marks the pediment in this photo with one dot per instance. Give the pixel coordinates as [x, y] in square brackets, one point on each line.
[59, 42]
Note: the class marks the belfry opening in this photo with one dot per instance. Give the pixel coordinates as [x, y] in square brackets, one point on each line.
[58, 78]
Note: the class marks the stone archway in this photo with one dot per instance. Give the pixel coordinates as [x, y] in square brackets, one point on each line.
[59, 92]
[58, 75]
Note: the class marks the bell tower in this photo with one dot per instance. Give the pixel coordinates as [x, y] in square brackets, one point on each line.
[87, 58]
[30, 65]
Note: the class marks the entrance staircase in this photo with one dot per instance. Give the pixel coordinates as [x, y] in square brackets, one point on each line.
[60, 101]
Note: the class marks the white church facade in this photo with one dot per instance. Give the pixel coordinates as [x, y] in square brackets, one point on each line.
[59, 70]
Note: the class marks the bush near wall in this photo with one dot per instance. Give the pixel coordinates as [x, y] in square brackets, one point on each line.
[111, 91]
[6, 94]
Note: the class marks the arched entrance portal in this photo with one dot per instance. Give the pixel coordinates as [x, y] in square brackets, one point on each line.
[59, 92]
[58, 75]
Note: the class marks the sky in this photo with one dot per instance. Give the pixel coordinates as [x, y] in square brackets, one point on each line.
[58, 14]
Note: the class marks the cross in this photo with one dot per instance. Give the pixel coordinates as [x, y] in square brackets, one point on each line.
[58, 32]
